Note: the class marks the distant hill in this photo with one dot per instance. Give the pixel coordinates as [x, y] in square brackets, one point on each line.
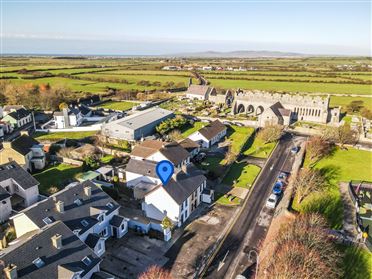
[239, 54]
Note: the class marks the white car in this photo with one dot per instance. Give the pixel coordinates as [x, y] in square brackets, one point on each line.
[272, 201]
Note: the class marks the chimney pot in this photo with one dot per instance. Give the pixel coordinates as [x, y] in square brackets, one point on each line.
[88, 191]
[57, 241]
[60, 205]
[11, 272]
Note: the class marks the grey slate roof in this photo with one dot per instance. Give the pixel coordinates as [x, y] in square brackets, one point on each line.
[23, 144]
[74, 213]
[143, 167]
[19, 113]
[144, 118]
[18, 174]
[183, 186]
[92, 240]
[116, 221]
[58, 262]
[3, 194]
[174, 152]
[189, 144]
[102, 275]
[212, 129]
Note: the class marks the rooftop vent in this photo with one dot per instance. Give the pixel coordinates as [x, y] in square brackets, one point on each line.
[10, 272]
[57, 241]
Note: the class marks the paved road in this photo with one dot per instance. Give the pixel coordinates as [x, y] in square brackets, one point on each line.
[281, 160]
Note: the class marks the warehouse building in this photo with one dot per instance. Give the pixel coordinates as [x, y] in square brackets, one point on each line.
[137, 126]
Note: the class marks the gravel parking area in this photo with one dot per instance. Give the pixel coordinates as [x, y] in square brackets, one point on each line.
[198, 237]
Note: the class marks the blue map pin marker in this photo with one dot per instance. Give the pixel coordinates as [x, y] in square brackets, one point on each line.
[164, 170]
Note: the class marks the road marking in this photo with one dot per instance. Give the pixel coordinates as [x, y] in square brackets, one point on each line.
[220, 265]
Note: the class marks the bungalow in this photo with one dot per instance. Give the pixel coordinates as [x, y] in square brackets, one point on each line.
[210, 134]
[17, 118]
[51, 252]
[26, 151]
[18, 188]
[200, 92]
[190, 146]
[85, 209]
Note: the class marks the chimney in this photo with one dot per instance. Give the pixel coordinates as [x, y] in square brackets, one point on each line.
[10, 272]
[88, 191]
[60, 206]
[66, 118]
[57, 241]
[185, 168]
[24, 133]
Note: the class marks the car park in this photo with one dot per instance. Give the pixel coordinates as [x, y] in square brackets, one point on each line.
[272, 201]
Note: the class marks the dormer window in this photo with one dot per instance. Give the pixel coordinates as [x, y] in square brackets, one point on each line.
[110, 205]
[84, 223]
[47, 220]
[39, 263]
[76, 232]
[101, 218]
[78, 202]
[86, 261]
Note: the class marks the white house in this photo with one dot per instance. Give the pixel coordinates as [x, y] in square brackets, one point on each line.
[68, 117]
[16, 116]
[200, 92]
[83, 207]
[19, 185]
[210, 134]
[176, 200]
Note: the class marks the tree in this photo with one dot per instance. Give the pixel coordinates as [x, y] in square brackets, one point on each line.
[230, 157]
[346, 135]
[301, 249]
[155, 272]
[62, 106]
[354, 106]
[166, 223]
[175, 135]
[366, 113]
[308, 181]
[317, 148]
[270, 133]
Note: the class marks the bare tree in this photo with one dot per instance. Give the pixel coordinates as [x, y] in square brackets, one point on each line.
[270, 133]
[308, 181]
[301, 249]
[230, 156]
[155, 272]
[343, 134]
[175, 135]
[317, 148]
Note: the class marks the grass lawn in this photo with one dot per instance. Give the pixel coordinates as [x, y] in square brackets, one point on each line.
[221, 199]
[238, 136]
[63, 135]
[107, 159]
[118, 105]
[257, 148]
[357, 263]
[243, 174]
[56, 176]
[341, 165]
[211, 163]
[189, 129]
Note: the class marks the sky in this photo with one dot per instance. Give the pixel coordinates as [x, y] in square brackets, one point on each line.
[120, 27]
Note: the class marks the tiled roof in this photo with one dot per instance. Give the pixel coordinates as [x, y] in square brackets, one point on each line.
[212, 129]
[189, 144]
[55, 263]
[80, 211]
[18, 174]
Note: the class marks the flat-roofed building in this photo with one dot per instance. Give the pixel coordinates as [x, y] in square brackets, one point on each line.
[136, 126]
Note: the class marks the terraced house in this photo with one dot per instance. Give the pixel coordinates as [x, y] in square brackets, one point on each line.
[51, 252]
[85, 209]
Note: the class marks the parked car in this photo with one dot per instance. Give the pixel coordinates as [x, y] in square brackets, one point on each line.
[227, 123]
[206, 120]
[295, 149]
[282, 175]
[239, 124]
[272, 201]
[278, 188]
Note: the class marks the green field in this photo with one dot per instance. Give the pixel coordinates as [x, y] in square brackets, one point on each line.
[192, 128]
[118, 105]
[238, 136]
[341, 165]
[56, 176]
[343, 101]
[63, 135]
[257, 148]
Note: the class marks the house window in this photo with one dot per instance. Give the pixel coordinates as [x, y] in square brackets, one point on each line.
[110, 205]
[84, 223]
[101, 218]
[38, 262]
[47, 220]
[99, 247]
[122, 227]
[104, 232]
[86, 261]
